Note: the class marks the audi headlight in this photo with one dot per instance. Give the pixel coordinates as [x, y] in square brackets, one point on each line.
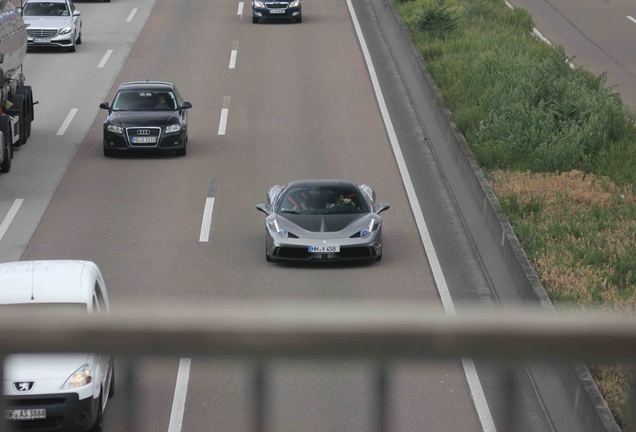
[173, 128]
[79, 378]
[115, 129]
[259, 4]
[294, 4]
[66, 30]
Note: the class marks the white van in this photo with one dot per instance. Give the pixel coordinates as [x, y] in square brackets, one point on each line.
[63, 391]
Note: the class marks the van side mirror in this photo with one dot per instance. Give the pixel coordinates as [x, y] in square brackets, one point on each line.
[186, 105]
[104, 105]
[263, 208]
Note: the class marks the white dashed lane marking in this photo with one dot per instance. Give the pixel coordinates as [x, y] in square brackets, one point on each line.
[6, 222]
[67, 121]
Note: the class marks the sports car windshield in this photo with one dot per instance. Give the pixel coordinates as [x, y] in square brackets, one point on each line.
[45, 9]
[145, 100]
[323, 200]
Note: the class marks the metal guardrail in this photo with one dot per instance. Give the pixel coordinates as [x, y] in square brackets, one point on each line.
[380, 333]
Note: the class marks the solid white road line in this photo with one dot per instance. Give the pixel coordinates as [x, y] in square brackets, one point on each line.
[474, 384]
[13, 210]
[538, 34]
[206, 222]
[180, 394]
[631, 18]
[233, 59]
[132, 14]
[104, 60]
[240, 9]
[67, 121]
[223, 121]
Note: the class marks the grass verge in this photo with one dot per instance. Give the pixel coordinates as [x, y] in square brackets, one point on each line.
[559, 145]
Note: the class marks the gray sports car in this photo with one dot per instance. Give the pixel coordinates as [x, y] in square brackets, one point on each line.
[322, 221]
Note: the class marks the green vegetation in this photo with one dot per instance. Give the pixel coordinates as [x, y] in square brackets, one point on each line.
[560, 147]
[516, 100]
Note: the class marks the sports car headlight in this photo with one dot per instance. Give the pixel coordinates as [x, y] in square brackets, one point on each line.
[79, 378]
[115, 129]
[66, 30]
[259, 4]
[173, 128]
[295, 3]
[275, 227]
[373, 225]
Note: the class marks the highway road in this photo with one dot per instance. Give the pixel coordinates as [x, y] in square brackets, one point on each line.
[300, 104]
[272, 103]
[600, 35]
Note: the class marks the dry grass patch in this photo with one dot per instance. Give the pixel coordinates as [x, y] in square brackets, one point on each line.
[579, 231]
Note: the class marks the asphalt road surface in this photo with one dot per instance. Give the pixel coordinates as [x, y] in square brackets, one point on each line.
[300, 104]
[600, 35]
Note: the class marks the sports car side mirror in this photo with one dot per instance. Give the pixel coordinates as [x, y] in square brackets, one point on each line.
[104, 105]
[379, 208]
[263, 208]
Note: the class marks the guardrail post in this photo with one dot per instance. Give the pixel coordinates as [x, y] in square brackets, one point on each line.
[130, 393]
[259, 391]
[382, 388]
[3, 420]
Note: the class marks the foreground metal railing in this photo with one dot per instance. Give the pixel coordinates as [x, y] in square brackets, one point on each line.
[380, 333]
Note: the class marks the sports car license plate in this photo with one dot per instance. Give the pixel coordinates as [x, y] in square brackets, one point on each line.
[277, 11]
[41, 40]
[25, 414]
[143, 140]
[323, 248]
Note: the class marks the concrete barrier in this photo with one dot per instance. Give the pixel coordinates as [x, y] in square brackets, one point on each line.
[501, 253]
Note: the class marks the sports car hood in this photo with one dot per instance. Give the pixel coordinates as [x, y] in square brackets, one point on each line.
[33, 367]
[317, 223]
[143, 118]
[47, 22]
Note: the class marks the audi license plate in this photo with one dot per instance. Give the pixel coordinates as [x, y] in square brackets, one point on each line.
[25, 414]
[143, 140]
[323, 248]
[41, 40]
[277, 11]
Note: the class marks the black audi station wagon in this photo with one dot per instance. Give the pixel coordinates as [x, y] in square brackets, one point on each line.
[146, 115]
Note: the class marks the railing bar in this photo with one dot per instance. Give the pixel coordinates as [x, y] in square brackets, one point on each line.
[382, 389]
[259, 392]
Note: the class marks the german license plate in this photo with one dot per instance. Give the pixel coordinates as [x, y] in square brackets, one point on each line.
[277, 11]
[25, 414]
[41, 40]
[323, 248]
[143, 140]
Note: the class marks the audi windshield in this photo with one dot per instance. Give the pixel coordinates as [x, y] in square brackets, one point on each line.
[145, 100]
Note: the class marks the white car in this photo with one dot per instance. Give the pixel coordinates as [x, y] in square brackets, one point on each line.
[52, 23]
[66, 392]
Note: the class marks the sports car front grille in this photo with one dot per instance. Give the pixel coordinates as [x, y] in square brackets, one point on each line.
[355, 252]
[42, 33]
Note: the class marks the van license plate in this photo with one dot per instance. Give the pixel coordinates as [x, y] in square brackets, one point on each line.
[25, 414]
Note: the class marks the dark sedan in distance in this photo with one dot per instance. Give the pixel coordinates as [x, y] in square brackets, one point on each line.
[322, 221]
[277, 9]
[146, 115]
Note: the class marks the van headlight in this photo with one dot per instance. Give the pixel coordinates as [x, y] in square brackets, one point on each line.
[65, 30]
[294, 4]
[259, 4]
[115, 129]
[173, 128]
[79, 378]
